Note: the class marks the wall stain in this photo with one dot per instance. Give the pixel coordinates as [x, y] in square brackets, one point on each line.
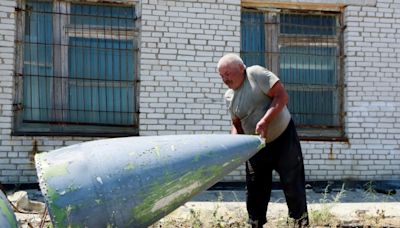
[34, 151]
[331, 157]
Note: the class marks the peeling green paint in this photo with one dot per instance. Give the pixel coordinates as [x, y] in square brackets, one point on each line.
[159, 194]
[132, 153]
[157, 150]
[129, 166]
[196, 158]
[262, 145]
[71, 188]
[40, 155]
[209, 154]
[49, 171]
[56, 170]
[6, 211]
[142, 213]
[59, 214]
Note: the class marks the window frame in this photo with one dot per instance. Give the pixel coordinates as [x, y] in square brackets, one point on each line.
[273, 44]
[60, 128]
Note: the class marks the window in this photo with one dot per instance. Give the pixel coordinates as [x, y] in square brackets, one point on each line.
[304, 49]
[77, 69]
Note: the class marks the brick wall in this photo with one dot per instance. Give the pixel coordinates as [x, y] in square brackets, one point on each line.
[371, 44]
[372, 104]
[10, 161]
[181, 93]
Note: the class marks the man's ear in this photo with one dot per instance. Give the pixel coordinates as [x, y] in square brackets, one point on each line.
[242, 67]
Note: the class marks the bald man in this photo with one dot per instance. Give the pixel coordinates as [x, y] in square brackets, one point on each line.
[257, 105]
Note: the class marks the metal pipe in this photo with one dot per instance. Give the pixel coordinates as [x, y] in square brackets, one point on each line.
[135, 181]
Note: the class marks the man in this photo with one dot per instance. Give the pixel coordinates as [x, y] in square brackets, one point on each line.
[257, 104]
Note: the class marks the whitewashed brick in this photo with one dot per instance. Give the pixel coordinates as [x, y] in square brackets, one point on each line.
[196, 34]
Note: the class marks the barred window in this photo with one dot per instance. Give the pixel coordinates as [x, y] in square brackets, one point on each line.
[77, 69]
[304, 49]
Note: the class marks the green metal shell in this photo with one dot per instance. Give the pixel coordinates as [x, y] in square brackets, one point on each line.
[7, 216]
[135, 181]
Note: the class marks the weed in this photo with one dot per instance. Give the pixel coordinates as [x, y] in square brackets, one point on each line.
[218, 220]
[283, 222]
[370, 191]
[324, 216]
[242, 214]
[374, 220]
[194, 219]
[321, 216]
[339, 195]
[222, 219]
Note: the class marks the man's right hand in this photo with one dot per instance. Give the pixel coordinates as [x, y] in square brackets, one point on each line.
[236, 126]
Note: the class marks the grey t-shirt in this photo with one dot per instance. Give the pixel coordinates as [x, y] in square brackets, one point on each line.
[250, 102]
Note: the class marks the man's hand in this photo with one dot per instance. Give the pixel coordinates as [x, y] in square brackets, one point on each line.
[279, 98]
[236, 126]
[262, 128]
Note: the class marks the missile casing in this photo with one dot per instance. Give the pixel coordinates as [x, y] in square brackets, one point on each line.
[135, 181]
[7, 216]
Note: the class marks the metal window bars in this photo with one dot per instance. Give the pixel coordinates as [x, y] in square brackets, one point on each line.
[79, 64]
[304, 48]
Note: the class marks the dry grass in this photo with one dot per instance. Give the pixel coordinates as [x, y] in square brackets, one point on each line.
[322, 216]
[224, 215]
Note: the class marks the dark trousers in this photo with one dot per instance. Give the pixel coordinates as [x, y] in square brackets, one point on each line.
[285, 157]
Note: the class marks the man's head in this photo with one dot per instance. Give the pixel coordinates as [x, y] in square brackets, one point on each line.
[231, 69]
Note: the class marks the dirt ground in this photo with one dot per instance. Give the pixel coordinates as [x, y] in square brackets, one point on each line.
[226, 208]
[337, 208]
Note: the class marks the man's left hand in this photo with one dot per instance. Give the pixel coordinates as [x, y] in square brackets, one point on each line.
[262, 128]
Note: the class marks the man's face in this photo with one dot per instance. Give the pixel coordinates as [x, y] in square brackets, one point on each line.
[232, 75]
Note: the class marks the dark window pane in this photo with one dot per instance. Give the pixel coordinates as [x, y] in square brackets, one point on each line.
[309, 75]
[301, 24]
[252, 38]
[37, 63]
[78, 69]
[110, 16]
[313, 107]
[101, 87]
[308, 65]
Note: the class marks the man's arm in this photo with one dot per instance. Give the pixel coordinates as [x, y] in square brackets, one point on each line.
[236, 126]
[279, 99]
